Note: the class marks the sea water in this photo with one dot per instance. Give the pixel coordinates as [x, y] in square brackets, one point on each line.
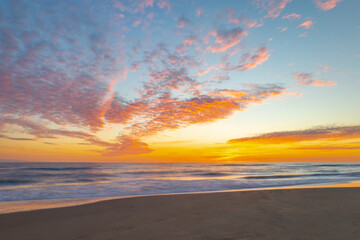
[34, 181]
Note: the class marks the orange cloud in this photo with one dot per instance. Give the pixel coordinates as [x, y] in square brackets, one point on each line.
[307, 79]
[306, 24]
[202, 72]
[128, 146]
[166, 112]
[326, 5]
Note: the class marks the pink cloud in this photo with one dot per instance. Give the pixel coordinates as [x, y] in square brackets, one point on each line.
[251, 61]
[292, 16]
[326, 5]
[164, 3]
[188, 41]
[145, 3]
[183, 22]
[306, 24]
[325, 68]
[137, 23]
[232, 18]
[226, 38]
[273, 7]
[199, 11]
[307, 79]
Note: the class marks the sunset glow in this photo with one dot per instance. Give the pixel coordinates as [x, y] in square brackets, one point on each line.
[180, 81]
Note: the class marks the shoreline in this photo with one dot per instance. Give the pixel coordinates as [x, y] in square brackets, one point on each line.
[298, 213]
[7, 207]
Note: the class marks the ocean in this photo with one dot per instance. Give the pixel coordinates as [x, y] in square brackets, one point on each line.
[34, 181]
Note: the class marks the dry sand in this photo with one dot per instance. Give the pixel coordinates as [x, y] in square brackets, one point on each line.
[318, 213]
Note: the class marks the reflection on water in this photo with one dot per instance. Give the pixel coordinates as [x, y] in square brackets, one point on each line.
[31, 181]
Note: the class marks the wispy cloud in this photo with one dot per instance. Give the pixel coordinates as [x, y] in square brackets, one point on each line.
[307, 79]
[311, 134]
[307, 24]
[16, 138]
[226, 38]
[292, 16]
[273, 7]
[326, 5]
[183, 22]
[164, 3]
[249, 61]
[198, 12]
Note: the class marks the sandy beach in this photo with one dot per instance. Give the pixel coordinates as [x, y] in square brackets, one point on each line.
[312, 213]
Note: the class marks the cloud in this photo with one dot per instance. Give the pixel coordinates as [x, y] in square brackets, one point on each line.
[207, 70]
[273, 7]
[63, 75]
[183, 22]
[198, 12]
[137, 23]
[226, 38]
[128, 146]
[311, 134]
[326, 5]
[325, 68]
[145, 3]
[231, 16]
[306, 24]
[39, 130]
[164, 3]
[167, 113]
[292, 16]
[134, 7]
[188, 41]
[329, 148]
[55, 75]
[251, 61]
[125, 145]
[307, 79]
[16, 138]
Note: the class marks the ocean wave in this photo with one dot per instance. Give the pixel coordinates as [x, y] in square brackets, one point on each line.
[213, 174]
[9, 182]
[58, 168]
[336, 165]
[351, 174]
[243, 164]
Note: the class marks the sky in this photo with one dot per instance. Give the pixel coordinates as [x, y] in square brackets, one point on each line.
[180, 81]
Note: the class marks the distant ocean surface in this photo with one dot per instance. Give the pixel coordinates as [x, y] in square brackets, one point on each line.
[34, 181]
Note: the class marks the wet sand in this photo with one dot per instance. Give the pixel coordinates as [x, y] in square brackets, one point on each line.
[312, 213]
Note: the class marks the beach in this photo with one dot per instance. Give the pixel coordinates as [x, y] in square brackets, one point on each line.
[303, 213]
